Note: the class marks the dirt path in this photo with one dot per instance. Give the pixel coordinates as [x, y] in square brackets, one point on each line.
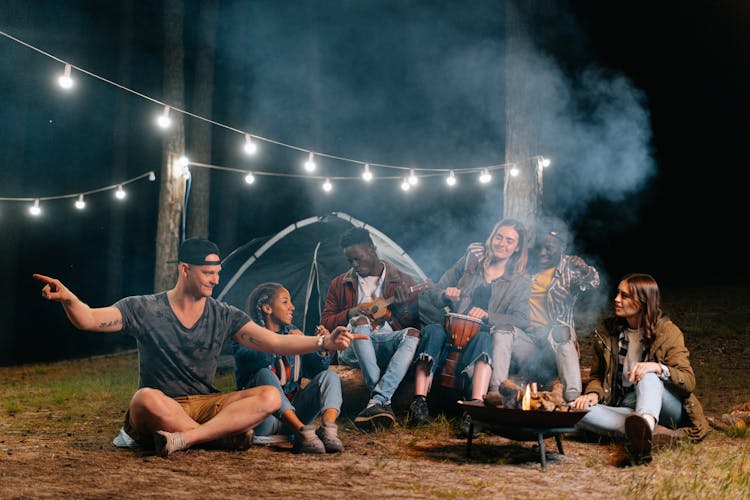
[403, 463]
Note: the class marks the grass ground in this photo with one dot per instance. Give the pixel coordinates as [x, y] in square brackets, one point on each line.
[57, 422]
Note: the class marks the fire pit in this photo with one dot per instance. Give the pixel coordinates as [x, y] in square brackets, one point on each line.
[522, 425]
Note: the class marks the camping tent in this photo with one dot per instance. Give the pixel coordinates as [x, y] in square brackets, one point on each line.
[304, 257]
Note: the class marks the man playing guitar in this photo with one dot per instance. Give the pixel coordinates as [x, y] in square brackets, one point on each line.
[377, 300]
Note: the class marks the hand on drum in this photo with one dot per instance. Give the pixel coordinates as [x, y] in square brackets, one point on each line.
[453, 293]
[478, 312]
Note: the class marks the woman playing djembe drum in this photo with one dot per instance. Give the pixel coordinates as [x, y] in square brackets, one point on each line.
[494, 290]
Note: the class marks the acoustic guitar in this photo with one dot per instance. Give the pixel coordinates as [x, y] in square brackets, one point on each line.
[378, 308]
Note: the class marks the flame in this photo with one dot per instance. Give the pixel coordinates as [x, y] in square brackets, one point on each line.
[526, 402]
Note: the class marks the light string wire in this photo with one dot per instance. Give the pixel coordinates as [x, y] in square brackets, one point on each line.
[430, 171]
[441, 173]
[151, 175]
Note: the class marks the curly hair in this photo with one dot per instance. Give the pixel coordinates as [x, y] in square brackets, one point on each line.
[261, 295]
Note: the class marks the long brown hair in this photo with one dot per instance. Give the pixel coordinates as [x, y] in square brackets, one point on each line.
[517, 262]
[644, 289]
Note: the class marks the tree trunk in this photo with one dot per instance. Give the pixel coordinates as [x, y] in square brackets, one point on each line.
[116, 233]
[522, 198]
[172, 188]
[200, 132]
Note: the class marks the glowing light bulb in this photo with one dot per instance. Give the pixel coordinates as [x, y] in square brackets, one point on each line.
[249, 178]
[545, 162]
[406, 185]
[80, 204]
[366, 174]
[65, 81]
[310, 163]
[163, 120]
[120, 193]
[250, 147]
[514, 171]
[151, 176]
[327, 186]
[485, 177]
[451, 179]
[413, 179]
[35, 209]
[182, 169]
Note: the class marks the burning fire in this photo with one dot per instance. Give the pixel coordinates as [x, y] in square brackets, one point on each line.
[526, 401]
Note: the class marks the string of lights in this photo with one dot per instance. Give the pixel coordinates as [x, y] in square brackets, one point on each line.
[250, 140]
[80, 203]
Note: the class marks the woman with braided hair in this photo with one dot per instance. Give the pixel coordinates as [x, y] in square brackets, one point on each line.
[270, 305]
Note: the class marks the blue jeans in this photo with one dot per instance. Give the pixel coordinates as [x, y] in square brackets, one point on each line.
[649, 397]
[434, 348]
[384, 360]
[321, 393]
[542, 355]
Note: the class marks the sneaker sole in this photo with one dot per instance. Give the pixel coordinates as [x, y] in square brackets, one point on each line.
[382, 421]
[271, 439]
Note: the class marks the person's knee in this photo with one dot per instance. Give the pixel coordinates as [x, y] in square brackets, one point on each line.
[649, 378]
[328, 377]
[561, 334]
[412, 332]
[361, 321]
[270, 398]
[147, 398]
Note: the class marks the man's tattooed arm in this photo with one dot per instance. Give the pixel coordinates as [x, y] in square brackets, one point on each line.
[246, 338]
[106, 324]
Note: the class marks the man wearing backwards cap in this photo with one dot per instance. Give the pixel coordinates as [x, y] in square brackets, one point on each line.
[180, 333]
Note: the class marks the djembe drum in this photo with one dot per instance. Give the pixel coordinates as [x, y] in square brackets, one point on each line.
[460, 329]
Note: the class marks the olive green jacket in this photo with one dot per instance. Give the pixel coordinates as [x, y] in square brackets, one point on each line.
[668, 348]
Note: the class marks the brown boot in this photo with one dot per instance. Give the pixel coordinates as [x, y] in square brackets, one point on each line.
[638, 431]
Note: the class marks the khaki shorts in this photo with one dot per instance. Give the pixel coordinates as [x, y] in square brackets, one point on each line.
[200, 408]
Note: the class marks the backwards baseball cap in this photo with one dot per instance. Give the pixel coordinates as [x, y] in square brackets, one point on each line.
[195, 250]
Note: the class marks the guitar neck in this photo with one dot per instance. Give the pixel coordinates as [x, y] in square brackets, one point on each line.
[412, 289]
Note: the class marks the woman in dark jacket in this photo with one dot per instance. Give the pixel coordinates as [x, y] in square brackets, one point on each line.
[641, 382]
[270, 305]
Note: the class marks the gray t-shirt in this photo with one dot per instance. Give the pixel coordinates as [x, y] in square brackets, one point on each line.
[178, 361]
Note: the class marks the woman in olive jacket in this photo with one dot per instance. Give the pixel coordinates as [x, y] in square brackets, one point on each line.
[641, 383]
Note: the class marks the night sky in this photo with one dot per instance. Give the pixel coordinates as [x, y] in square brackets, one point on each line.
[643, 114]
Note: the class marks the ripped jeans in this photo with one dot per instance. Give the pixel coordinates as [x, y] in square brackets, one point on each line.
[434, 348]
[650, 396]
[384, 360]
[539, 355]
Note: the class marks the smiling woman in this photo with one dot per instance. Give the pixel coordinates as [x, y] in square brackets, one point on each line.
[270, 305]
[488, 284]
